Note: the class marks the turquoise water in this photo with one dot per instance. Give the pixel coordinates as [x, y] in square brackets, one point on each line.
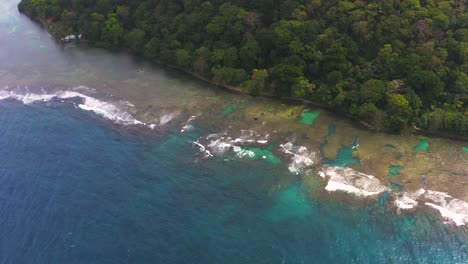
[77, 189]
[308, 117]
[345, 156]
[423, 145]
[263, 153]
[229, 110]
[394, 170]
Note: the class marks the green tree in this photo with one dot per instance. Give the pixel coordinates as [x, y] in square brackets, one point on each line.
[284, 77]
[249, 54]
[359, 53]
[113, 30]
[230, 59]
[136, 40]
[398, 111]
[302, 88]
[184, 58]
[461, 83]
[256, 84]
[229, 76]
[374, 92]
[202, 64]
[427, 85]
[369, 113]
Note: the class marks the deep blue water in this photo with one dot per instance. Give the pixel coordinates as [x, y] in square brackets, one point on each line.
[76, 189]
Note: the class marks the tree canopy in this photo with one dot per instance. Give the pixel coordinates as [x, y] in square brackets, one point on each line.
[389, 63]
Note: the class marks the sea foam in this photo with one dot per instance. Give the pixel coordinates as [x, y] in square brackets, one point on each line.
[351, 181]
[219, 144]
[452, 209]
[301, 157]
[105, 109]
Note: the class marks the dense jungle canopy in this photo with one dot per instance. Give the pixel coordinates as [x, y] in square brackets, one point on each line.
[389, 63]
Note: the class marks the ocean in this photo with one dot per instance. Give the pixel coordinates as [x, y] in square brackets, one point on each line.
[108, 159]
[76, 188]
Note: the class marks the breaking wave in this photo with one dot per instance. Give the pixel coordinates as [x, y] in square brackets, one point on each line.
[104, 109]
[452, 209]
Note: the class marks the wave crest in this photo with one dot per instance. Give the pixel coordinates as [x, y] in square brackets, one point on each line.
[105, 109]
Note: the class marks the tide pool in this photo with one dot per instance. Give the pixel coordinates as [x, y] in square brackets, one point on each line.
[423, 144]
[308, 117]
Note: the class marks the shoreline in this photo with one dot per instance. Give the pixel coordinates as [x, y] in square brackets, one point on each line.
[410, 129]
[442, 166]
[338, 181]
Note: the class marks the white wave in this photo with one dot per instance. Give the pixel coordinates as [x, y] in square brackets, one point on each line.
[408, 200]
[163, 120]
[101, 108]
[404, 202]
[27, 98]
[251, 136]
[188, 126]
[351, 181]
[333, 186]
[301, 157]
[450, 208]
[219, 144]
[240, 152]
[222, 145]
[437, 197]
[456, 211]
[203, 149]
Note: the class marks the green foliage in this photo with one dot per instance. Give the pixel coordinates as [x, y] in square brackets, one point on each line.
[183, 57]
[373, 91]
[249, 54]
[257, 83]
[398, 112]
[229, 76]
[302, 88]
[135, 40]
[461, 83]
[369, 113]
[395, 63]
[285, 77]
[113, 31]
[201, 63]
[427, 85]
[440, 120]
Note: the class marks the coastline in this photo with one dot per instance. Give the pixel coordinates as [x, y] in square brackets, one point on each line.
[129, 155]
[282, 122]
[410, 129]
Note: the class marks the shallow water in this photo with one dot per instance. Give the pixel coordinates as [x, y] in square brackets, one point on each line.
[80, 184]
[76, 190]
